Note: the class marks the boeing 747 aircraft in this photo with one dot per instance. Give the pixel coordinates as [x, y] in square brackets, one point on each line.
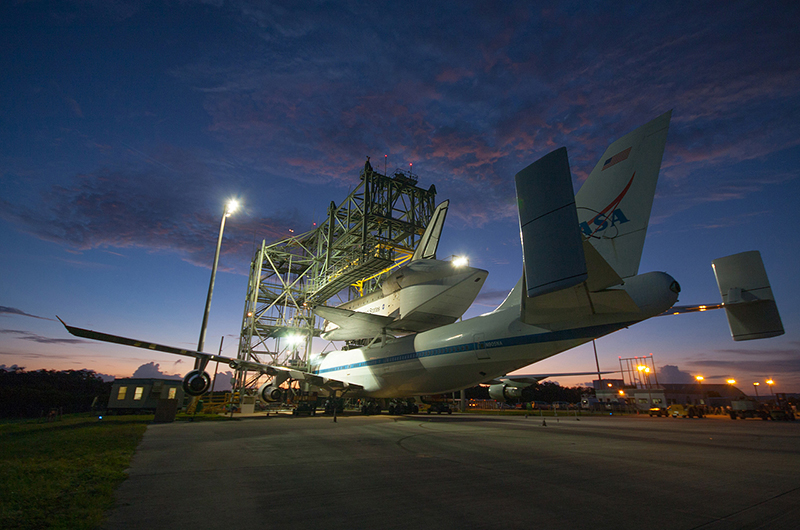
[580, 281]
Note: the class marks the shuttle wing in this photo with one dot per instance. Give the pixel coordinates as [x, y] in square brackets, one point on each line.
[352, 325]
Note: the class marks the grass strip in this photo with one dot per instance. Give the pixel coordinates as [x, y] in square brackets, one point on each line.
[63, 474]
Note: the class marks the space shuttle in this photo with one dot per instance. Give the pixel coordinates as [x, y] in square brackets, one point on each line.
[580, 281]
[424, 294]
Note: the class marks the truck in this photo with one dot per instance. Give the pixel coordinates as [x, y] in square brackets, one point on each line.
[744, 408]
[685, 411]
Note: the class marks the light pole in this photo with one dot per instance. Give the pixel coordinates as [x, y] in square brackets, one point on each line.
[229, 209]
[770, 382]
[755, 385]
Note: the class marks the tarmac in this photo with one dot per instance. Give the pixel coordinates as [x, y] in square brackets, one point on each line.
[465, 471]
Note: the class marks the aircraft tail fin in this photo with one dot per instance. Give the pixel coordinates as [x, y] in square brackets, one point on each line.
[747, 296]
[615, 201]
[426, 249]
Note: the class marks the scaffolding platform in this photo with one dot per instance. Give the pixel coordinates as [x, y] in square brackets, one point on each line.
[376, 228]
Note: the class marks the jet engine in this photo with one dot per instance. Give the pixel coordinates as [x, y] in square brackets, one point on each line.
[270, 392]
[196, 383]
[503, 392]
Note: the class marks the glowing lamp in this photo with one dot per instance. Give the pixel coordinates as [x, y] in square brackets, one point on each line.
[460, 261]
[231, 207]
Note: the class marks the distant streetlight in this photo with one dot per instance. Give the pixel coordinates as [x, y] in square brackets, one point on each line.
[231, 207]
[731, 381]
[699, 378]
[641, 368]
[770, 382]
[755, 385]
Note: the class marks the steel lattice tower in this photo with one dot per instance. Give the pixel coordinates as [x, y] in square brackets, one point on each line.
[374, 229]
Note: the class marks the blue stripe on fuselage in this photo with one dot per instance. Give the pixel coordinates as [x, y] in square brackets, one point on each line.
[553, 336]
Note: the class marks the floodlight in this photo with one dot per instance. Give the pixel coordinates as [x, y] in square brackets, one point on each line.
[460, 261]
[231, 207]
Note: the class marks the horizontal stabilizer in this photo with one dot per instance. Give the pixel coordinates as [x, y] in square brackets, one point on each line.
[352, 325]
[552, 246]
[683, 309]
[747, 296]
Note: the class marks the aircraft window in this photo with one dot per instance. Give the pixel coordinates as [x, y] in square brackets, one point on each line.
[122, 391]
[172, 392]
[137, 395]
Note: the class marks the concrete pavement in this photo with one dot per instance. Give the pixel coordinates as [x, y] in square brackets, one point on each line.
[464, 471]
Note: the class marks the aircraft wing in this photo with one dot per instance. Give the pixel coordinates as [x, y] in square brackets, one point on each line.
[269, 369]
[682, 309]
[525, 380]
[352, 324]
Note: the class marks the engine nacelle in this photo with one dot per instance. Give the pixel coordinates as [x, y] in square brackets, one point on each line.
[196, 383]
[268, 392]
[503, 392]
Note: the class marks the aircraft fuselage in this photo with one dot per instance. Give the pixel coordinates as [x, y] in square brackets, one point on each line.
[469, 352]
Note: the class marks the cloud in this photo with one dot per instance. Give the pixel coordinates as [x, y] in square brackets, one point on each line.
[33, 337]
[763, 366]
[33, 355]
[153, 370]
[470, 121]
[105, 377]
[491, 297]
[278, 109]
[672, 374]
[143, 206]
[793, 351]
[223, 381]
[4, 310]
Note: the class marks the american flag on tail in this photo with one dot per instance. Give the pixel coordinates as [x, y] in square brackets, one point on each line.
[616, 159]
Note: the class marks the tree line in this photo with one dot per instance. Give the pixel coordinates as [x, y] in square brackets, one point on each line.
[37, 393]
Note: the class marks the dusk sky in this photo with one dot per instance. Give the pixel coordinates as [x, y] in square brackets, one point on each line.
[126, 125]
